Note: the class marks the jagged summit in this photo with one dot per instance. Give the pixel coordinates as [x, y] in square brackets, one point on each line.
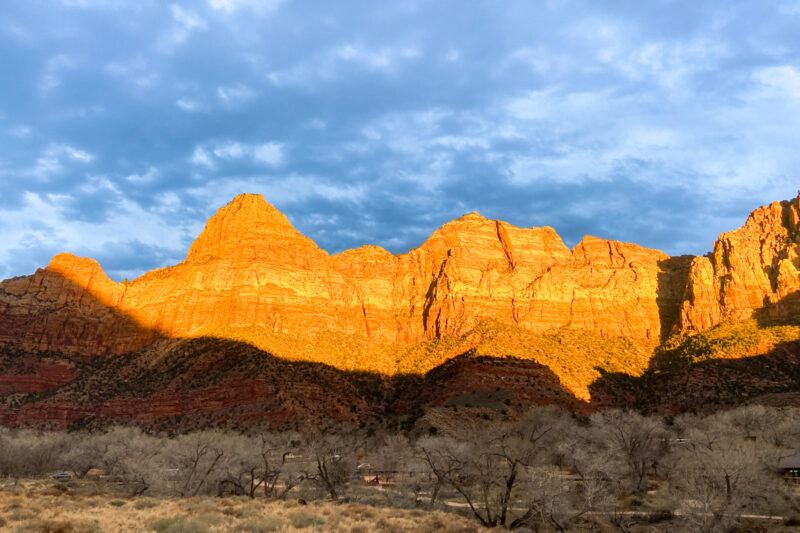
[247, 228]
[753, 271]
[472, 215]
[250, 271]
[66, 261]
[253, 278]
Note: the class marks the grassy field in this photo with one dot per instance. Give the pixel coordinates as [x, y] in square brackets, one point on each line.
[41, 505]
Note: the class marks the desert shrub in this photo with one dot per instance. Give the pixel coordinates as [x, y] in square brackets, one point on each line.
[56, 489]
[20, 514]
[262, 525]
[117, 503]
[16, 504]
[304, 520]
[2, 521]
[726, 340]
[68, 506]
[145, 503]
[246, 512]
[183, 524]
[93, 502]
[59, 526]
[199, 506]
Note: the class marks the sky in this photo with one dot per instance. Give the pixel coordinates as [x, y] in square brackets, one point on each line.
[125, 124]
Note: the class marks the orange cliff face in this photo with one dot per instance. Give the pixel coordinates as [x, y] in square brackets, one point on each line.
[252, 276]
[252, 273]
[753, 271]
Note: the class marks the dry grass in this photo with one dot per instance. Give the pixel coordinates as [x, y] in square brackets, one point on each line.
[34, 506]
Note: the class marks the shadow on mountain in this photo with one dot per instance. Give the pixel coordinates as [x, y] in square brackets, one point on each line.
[672, 278]
[159, 382]
[705, 385]
[478, 381]
[177, 384]
[785, 311]
[730, 364]
[49, 312]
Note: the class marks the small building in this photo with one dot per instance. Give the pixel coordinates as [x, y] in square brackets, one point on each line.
[790, 466]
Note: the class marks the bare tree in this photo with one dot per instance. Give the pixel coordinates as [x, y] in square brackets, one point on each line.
[253, 463]
[192, 460]
[332, 462]
[722, 470]
[29, 453]
[439, 455]
[83, 453]
[589, 461]
[633, 443]
[495, 470]
[134, 459]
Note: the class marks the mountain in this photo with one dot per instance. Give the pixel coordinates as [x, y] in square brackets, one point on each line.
[752, 271]
[367, 323]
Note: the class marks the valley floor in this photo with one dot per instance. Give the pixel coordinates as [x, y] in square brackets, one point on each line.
[42, 505]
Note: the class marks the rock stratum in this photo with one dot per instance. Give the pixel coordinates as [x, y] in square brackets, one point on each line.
[476, 286]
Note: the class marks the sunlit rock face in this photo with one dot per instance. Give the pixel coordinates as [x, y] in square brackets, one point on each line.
[753, 271]
[252, 276]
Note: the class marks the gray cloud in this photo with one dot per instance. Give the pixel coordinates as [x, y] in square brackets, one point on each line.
[127, 124]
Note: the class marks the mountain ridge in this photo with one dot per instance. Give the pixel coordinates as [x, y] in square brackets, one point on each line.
[251, 277]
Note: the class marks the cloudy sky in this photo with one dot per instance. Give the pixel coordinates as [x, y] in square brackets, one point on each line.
[124, 124]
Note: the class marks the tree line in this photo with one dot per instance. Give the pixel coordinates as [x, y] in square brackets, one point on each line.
[548, 470]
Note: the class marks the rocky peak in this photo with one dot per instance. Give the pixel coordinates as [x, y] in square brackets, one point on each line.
[84, 272]
[253, 275]
[247, 228]
[753, 270]
[472, 215]
[69, 263]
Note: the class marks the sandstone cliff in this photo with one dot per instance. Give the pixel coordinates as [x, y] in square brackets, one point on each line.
[220, 336]
[753, 271]
[251, 276]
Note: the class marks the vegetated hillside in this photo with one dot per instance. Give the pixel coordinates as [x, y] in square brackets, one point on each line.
[728, 365]
[576, 356]
[213, 382]
[729, 340]
[202, 382]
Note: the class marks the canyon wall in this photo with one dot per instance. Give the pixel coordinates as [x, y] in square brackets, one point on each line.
[752, 272]
[251, 273]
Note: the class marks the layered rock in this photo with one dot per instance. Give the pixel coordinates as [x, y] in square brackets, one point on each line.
[252, 273]
[560, 320]
[70, 307]
[753, 271]
[252, 276]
